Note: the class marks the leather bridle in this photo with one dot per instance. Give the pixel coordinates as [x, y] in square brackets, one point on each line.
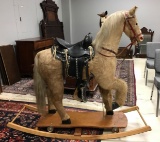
[131, 28]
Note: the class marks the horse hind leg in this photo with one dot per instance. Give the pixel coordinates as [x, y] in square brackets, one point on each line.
[55, 93]
[51, 107]
[57, 101]
[56, 98]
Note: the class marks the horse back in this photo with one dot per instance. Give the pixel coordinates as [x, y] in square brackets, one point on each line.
[47, 65]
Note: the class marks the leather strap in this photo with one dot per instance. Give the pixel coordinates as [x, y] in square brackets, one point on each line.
[109, 50]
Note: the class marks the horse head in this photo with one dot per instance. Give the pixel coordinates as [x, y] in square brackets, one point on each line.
[115, 24]
[131, 27]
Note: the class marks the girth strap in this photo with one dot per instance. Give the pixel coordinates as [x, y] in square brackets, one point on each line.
[109, 50]
[75, 67]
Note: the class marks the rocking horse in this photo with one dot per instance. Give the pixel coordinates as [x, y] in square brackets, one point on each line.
[49, 81]
[48, 76]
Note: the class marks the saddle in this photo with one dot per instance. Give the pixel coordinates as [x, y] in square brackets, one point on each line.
[75, 59]
[76, 50]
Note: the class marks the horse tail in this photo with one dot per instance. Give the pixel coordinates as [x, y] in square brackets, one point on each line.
[39, 88]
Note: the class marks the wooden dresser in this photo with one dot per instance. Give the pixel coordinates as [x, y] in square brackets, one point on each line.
[26, 50]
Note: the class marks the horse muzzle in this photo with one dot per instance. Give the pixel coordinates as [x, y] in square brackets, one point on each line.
[137, 39]
[141, 38]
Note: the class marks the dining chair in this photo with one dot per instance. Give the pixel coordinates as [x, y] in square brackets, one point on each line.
[150, 48]
[156, 78]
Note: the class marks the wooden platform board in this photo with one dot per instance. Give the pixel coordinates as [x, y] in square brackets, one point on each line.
[85, 119]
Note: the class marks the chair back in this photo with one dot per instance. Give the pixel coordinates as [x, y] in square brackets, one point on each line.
[157, 61]
[148, 37]
[151, 47]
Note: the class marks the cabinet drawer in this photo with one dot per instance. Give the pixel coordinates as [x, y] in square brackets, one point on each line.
[43, 44]
[49, 43]
[39, 45]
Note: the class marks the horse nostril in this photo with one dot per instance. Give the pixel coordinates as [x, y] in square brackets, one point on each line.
[141, 38]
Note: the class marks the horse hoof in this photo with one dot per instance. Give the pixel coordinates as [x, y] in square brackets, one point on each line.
[110, 112]
[115, 105]
[68, 121]
[52, 111]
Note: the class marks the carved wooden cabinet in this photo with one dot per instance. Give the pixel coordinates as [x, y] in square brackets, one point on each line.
[26, 50]
[140, 50]
[50, 25]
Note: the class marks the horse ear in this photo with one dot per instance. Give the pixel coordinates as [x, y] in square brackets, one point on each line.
[101, 15]
[133, 10]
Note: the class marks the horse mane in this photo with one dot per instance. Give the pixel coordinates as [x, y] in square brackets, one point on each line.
[109, 26]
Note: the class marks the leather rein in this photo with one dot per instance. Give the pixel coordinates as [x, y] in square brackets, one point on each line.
[134, 38]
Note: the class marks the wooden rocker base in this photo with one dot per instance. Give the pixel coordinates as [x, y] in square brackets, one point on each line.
[92, 119]
[85, 119]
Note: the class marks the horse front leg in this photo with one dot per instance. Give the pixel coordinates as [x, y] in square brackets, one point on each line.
[107, 100]
[121, 91]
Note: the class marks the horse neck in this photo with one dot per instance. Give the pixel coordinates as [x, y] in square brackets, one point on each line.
[109, 38]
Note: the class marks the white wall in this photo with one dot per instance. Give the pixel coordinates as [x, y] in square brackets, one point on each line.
[85, 19]
[79, 17]
[11, 28]
[8, 31]
[66, 14]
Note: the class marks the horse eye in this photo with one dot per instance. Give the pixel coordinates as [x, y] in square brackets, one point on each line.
[136, 23]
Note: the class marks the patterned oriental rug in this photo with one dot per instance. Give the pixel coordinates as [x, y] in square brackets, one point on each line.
[125, 70]
[29, 119]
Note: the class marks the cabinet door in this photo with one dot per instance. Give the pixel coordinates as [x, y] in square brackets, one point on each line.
[26, 18]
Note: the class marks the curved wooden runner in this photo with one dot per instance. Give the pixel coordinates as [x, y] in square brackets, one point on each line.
[81, 137]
